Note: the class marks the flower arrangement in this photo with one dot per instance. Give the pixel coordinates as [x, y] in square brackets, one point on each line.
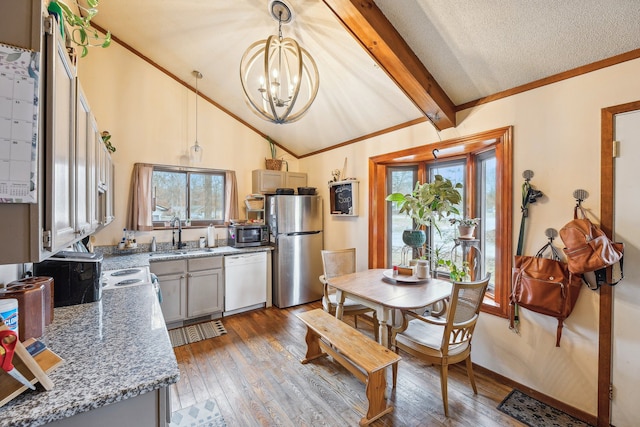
[465, 222]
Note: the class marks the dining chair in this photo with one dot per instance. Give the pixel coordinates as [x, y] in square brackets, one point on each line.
[446, 340]
[337, 263]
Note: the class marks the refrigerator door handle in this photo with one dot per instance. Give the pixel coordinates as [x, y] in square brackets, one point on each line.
[302, 233]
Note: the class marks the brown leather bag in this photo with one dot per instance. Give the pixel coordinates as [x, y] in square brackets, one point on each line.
[545, 285]
[586, 246]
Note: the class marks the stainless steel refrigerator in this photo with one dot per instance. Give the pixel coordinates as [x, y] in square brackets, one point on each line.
[296, 231]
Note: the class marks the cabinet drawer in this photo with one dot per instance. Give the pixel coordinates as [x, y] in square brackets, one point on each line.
[168, 267]
[204, 263]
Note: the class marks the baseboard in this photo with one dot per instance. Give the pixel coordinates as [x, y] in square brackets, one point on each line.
[574, 412]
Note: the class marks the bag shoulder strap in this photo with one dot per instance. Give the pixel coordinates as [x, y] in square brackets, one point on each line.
[554, 252]
[579, 208]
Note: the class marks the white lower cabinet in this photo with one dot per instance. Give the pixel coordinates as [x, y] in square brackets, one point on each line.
[190, 287]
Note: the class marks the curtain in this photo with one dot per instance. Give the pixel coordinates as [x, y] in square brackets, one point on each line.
[140, 205]
[231, 196]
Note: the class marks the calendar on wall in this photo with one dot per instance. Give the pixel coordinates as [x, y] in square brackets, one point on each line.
[19, 74]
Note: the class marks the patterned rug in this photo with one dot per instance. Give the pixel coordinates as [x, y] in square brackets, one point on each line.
[195, 333]
[534, 413]
[203, 414]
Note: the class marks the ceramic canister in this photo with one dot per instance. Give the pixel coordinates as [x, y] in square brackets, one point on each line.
[9, 313]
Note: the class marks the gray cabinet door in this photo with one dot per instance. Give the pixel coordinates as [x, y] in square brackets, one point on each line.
[60, 145]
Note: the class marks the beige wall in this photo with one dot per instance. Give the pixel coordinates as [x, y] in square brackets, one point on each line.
[556, 134]
[152, 119]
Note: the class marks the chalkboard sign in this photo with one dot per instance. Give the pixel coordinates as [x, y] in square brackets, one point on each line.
[343, 198]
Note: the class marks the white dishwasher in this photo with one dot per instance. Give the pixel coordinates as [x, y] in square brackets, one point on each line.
[245, 282]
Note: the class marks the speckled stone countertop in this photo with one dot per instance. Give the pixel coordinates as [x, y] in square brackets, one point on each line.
[140, 259]
[113, 349]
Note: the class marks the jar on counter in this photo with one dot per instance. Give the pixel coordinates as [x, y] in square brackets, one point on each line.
[422, 269]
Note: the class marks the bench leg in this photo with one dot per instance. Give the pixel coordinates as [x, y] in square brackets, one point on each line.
[313, 346]
[376, 385]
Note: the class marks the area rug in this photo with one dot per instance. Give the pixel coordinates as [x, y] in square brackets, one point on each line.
[203, 414]
[534, 413]
[194, 333]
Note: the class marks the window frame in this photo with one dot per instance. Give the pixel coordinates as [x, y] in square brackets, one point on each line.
[501, 140]
[157, 225]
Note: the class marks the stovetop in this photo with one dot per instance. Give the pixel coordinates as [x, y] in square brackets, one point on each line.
[114, 279]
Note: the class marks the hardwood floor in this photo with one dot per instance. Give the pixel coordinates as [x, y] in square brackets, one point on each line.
[255, 375]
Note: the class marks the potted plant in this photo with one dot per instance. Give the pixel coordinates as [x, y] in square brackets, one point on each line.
[466, 226]
[456, 273]
[82, 33]
[427, 203]
[272, 163]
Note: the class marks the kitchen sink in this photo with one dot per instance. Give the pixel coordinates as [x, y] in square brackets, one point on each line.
[191, 252]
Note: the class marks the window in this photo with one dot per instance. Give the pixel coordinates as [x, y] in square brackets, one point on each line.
[483, 164]
[188, 193]
[399, 180]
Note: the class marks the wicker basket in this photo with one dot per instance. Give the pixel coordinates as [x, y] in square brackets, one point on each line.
[254, 204]
[273, 164]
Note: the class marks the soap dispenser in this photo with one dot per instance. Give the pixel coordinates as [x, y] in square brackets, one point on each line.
[153, 244]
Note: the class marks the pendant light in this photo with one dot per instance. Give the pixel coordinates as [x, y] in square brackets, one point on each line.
[195, 152]
[279, 78]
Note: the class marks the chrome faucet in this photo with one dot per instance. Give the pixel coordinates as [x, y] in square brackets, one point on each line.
[172, 223]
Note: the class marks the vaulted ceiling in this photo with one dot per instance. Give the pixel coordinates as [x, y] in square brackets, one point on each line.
[383, 64]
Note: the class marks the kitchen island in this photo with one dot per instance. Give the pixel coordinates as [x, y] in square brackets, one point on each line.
[118, 363]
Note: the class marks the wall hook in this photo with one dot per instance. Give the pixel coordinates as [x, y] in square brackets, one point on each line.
[580, 195]
[435, 152]
[551, 234]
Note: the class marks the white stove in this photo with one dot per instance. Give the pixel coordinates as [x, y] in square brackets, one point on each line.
[114, 279]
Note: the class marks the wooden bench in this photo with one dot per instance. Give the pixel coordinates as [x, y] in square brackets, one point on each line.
[359, 354]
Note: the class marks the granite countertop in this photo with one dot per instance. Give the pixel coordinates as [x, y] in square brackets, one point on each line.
[118, 261]
[113, 349]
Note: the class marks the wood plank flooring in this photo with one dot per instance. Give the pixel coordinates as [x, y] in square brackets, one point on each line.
[255, 375]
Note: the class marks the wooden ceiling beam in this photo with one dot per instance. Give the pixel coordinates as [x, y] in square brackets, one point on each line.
[374, 32]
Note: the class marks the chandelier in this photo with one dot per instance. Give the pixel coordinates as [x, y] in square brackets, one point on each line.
[195, 151]
[279, 78]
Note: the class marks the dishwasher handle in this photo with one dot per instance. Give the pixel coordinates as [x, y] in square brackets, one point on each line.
[243, 259]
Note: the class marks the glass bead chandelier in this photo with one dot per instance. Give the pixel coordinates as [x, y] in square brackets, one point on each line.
[279, 78]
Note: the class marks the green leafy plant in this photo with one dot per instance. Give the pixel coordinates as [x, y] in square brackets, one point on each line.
[82, 33]
[465, 222]
[429, 201]
[106, 139]
[456, 273]
[272, 146]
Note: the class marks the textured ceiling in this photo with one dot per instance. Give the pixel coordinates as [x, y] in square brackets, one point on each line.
[473, 48]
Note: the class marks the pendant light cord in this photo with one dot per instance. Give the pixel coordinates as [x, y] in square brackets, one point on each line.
[197, 73]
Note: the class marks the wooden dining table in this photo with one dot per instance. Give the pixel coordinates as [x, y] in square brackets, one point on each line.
[372, 289]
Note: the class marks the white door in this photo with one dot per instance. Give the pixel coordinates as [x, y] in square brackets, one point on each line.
[625, 410]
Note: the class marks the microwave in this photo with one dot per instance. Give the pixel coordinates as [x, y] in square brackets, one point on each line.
[247, 235]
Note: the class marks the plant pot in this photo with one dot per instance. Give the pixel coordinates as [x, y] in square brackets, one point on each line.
[273, 164]
[466, 231]
[414, 238]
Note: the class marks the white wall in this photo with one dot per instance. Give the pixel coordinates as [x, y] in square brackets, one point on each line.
[556, 135]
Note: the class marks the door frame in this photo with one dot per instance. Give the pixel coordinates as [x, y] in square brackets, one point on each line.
[605, 336]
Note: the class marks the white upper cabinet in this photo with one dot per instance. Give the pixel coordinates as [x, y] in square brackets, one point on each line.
[59, 146]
